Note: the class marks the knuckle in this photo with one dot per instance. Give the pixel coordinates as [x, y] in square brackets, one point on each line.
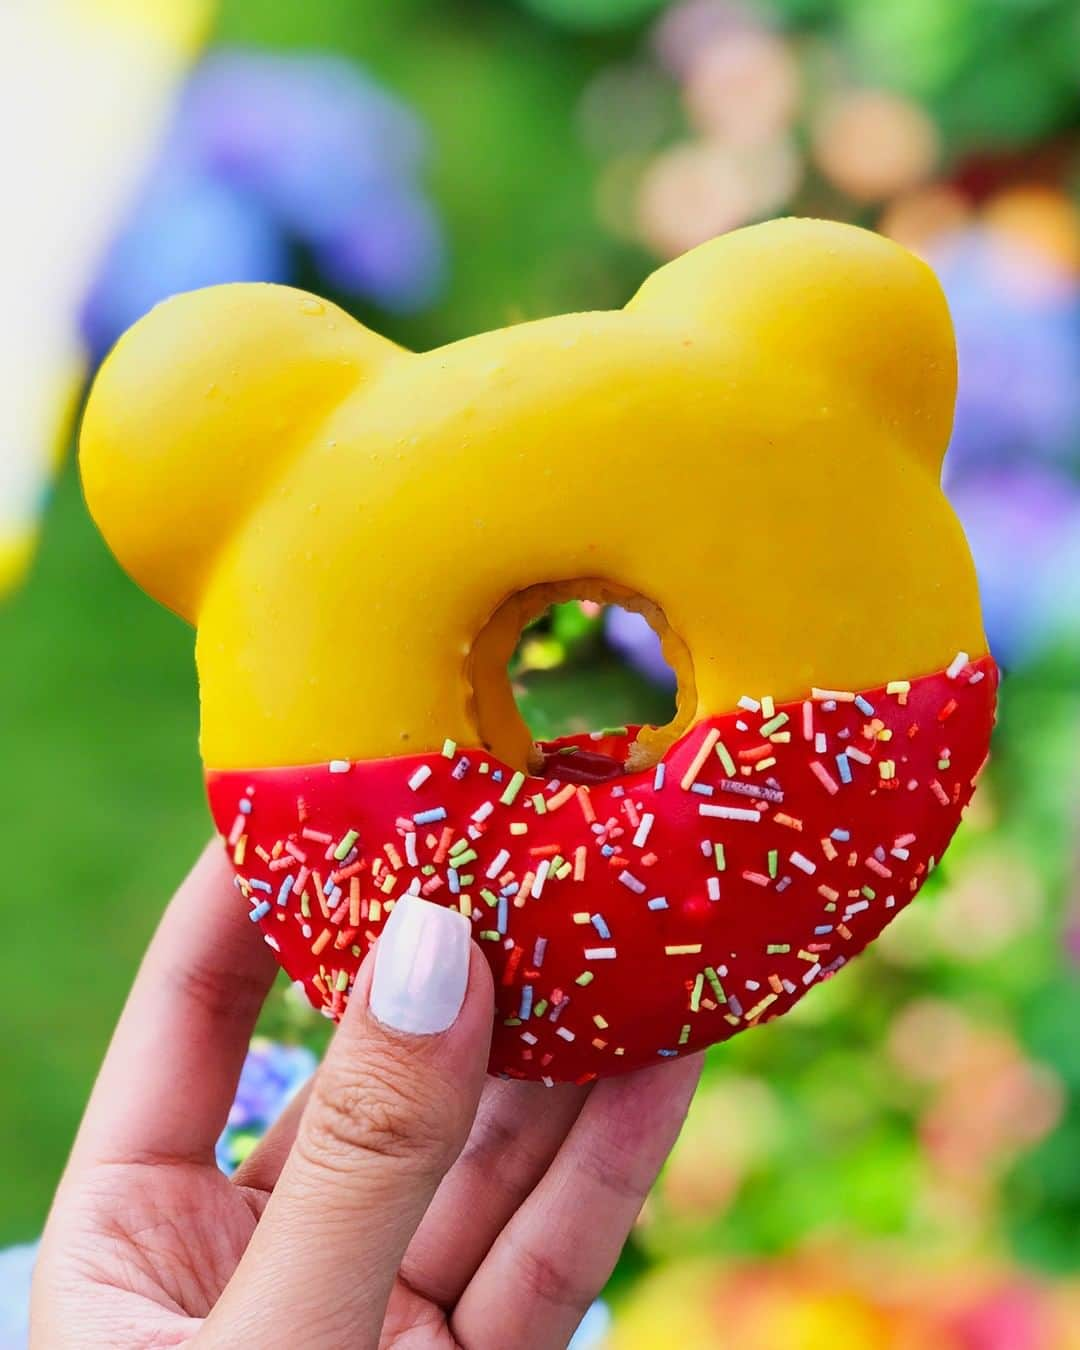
[550, 1279]
[378, 1113]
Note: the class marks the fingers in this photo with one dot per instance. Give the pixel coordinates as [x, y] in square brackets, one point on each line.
[389, 1111]
[168, 1079]
[558, 1251]
[518, 1131]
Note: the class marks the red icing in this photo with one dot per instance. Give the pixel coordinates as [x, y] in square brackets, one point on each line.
[642, 1000]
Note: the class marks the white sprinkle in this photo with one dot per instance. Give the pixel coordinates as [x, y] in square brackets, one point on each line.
[483, 811]
[540, 878]
[643, 829]
[821, 745]
[749, 704]
[713, 885]
[727, 812]
[498, 863]
[803, 863]
[565, 1033]
[631, 882]
[600, 953]
[812, 974]
[340, 766]
[956, 665]
[420, 776]
[410, 850]
[658, 777]
[858, 755]
[856, 908]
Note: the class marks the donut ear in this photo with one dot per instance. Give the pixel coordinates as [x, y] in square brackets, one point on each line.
[815, 294]
[197, 408]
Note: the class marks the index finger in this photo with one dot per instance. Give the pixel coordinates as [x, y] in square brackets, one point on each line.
[169, 1076]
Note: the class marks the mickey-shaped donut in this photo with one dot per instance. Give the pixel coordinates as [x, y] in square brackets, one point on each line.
[749, 453]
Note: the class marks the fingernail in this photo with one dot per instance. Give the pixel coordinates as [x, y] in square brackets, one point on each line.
[421, 967]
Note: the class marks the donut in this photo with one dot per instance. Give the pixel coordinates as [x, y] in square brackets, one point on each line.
[749, 454]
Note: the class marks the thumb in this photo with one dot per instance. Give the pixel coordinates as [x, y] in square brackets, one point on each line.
[391, 1108]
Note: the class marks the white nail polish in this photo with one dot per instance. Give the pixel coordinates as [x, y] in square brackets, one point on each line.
[421, 967]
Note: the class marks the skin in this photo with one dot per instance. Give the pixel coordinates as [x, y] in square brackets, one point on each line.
[403, 1200]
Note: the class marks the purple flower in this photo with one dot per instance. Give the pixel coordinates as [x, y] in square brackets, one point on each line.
[1017, 318]
[1023, 525]
[265, 153]
[637, 642]
[271, 1077]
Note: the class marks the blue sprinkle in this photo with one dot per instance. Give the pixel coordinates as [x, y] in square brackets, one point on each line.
[285, 890]
[261, 910]
[511, 888]
[260, 886]
[607, 850]
[822, 929]
[538, 952]
[668, 1054]
[452, 880]
[658, 903]
[503, 915]
[866, 708]
[430, 817]
[844, 768]
[703, 789]
[601, 927]
[328, 886]
[525, 1007]
[245, 806]
[496, 775]
[841, 836]
[658, 777]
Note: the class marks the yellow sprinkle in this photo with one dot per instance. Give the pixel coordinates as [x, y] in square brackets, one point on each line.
[703, 753]
[684, 949]
[519, 827]
[582, 916]
[600, 1021]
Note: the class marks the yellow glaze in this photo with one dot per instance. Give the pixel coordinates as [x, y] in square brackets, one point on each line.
[753, 447]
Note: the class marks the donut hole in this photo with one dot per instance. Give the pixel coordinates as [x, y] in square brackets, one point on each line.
[583, 680]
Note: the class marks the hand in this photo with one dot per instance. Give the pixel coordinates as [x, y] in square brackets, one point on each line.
[404, 1200]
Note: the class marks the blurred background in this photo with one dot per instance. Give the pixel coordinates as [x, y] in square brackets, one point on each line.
[897, 1163]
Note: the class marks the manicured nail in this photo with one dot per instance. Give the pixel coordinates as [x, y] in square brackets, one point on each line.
[421, 967]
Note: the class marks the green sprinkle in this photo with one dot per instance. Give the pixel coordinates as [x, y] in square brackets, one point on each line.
[563, 871]
[305, 906]
[466, 878]
[485, 767]
[512, 1022]
[612, 731]
[458, 846]
[868, 893]
[943, 763]
[778, 949]
[773, 724]
[774, 859]
[355, 949]
[463, 858]
[347, 840]
[512, 789]
[489, 896]
[539, 1009]
[539, 805]
[586, 977]
[449, 748]
[715, 985]
[721, 860]
[684, 1035]
[489, 935]
[695, 993]
[342, 981]
[428, 869]
[725, 759]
